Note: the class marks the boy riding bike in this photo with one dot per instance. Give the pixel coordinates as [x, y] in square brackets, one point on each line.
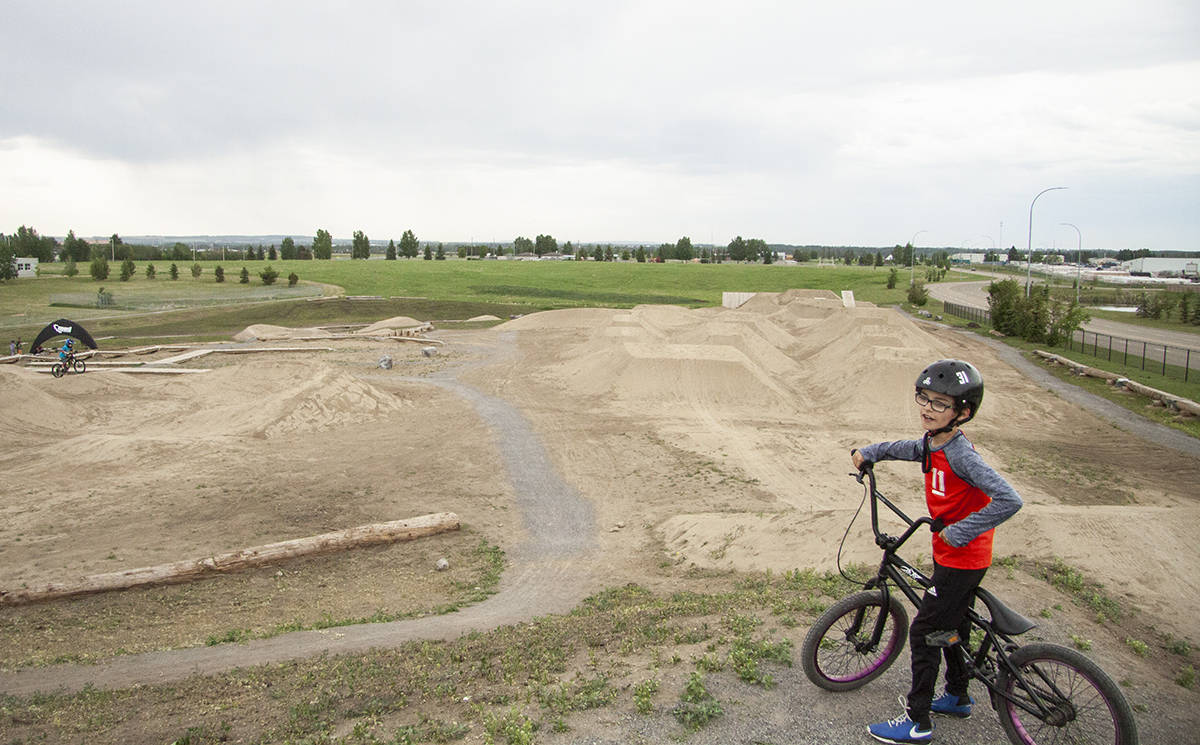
[969, 499]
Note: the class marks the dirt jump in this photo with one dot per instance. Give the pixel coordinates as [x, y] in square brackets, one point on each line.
[588, 444]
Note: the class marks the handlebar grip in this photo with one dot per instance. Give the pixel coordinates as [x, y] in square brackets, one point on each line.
[937, 525]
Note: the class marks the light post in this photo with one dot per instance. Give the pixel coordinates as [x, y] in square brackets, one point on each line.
[1029, 254]
[912, 243]
[1078, 261]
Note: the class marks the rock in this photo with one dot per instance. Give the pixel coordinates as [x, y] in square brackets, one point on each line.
[442, 565]
[386, 362]
[429, 351]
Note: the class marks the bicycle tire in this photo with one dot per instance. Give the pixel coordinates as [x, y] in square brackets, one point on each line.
[831, 657]
[1094, 709]
[57, 370]
[79, 366]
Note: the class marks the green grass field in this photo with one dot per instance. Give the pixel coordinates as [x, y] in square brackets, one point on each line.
[429, 290]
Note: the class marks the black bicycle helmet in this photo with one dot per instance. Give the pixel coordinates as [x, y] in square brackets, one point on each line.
[957, 379]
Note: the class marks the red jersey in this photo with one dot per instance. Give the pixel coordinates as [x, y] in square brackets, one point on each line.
[951, 499]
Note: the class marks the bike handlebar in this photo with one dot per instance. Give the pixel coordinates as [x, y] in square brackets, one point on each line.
[883, 539]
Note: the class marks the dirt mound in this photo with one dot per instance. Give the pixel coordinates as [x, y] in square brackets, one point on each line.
[30, 408]
[390, 324]
[569, 318]
[267, 332]
[483, 318]
[287, 398]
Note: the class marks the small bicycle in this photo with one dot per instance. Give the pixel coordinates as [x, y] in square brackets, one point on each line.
[69, 364]
[1042, 693]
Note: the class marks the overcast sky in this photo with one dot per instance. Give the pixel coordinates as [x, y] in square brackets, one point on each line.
[864, 123]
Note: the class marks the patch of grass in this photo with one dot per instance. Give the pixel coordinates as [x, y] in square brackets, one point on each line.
[1082, 644]
[697, 707]
[1139, 647]
[643, 695]
[1187, 677]
[1082, 591]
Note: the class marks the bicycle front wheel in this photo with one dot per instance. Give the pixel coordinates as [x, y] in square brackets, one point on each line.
[80, 366]
[838, 655]
[57, 370]
[1084, 704]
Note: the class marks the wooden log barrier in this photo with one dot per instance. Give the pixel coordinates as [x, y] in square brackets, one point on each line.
[1178, 403]
[192, 569]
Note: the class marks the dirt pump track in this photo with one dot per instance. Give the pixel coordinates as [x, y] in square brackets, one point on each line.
[592, 413]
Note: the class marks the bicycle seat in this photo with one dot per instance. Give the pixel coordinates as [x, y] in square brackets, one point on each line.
[1004, 619]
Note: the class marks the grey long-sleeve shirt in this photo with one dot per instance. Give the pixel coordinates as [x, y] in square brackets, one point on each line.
[968, 466]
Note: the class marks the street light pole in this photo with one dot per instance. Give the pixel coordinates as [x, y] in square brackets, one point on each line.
[1029, 253]
[912, 243]
[1078, 261]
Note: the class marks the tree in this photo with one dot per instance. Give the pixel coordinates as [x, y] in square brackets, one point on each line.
[545, 244]
[219, 273]
[322, 247]
[409, 245]
[428, 252]
[127, 269]
[917, 294]
[361, 248]
[683, 249]
[640, 255]
[737, 249]
[174, 271]
[522, 245]
[893, 276]
[27, 242]
[271, 256]
[441, 252]
[69, 268]
[74, 248]
[150, 271]
[597, 254]
[391, 250]
[268, 275]
[119, 249]
[244, 276]
[757, 250]
[8, 259]
[293, 279]
[1013, 255]
[287, 249]
[196, 271]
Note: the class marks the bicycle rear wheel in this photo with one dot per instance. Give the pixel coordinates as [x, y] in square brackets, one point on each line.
[837, 654]
[1085, 704]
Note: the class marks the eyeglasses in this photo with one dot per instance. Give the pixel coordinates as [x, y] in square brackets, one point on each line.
[937, 406]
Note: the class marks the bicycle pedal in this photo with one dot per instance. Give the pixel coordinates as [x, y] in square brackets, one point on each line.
[942, 639]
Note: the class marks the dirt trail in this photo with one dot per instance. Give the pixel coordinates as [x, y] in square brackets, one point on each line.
[551, 572]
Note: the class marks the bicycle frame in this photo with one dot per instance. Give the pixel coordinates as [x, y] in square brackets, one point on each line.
[985, 664]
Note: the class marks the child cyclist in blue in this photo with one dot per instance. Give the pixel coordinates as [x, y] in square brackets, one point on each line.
[970, 499]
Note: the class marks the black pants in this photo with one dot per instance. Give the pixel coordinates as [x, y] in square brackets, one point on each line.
[944, 607]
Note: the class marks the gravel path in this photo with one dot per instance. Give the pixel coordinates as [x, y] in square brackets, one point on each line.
[550, 572]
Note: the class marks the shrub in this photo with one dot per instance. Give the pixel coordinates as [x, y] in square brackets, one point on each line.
[127, 269]
[196, 271]
[219, 273]
[293, 279]
[893, 277]
[917, 294]
[174, 272]
[150, 271]
[69, 268]
[268, 275]
[244, 277]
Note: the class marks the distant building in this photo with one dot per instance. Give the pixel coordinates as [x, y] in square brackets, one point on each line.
[1160, 267]
[967, 258]
[26, 266]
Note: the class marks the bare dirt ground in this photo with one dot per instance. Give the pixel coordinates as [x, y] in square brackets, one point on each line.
[711, 437]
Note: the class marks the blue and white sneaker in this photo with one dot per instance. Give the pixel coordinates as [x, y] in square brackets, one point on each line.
[948, 704]
[901, 731]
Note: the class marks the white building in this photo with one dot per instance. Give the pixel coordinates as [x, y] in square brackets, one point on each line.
[26, 266]
[1160, 267]
[966, 258]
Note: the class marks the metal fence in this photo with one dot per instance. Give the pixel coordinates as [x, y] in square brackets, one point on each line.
[978, 315]
[1165, 359]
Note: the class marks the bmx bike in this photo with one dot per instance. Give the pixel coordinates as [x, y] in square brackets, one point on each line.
[70, 364]
[1042, 693]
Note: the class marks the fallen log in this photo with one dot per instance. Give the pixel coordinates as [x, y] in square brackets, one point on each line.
[192, 569]
[1178, 403]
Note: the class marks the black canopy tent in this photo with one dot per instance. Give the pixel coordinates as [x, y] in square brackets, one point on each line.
[62, 327]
